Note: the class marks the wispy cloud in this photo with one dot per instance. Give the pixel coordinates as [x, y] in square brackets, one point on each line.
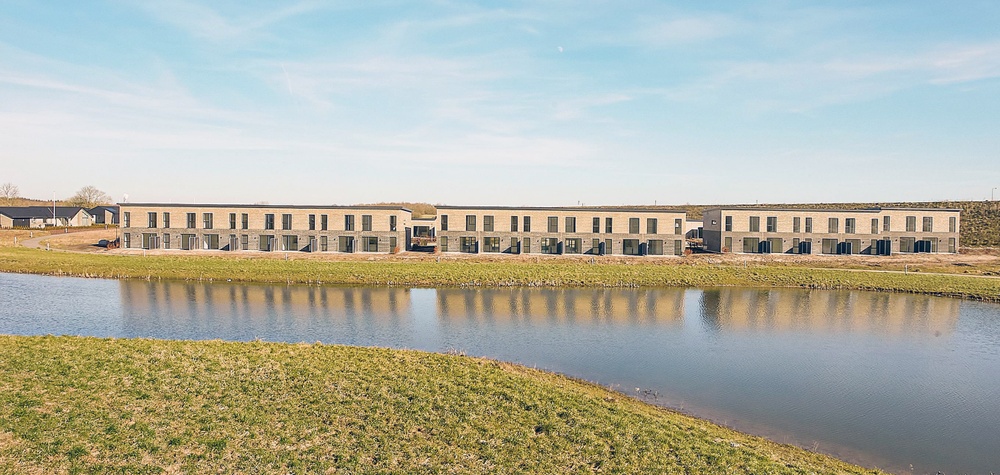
[207, 23]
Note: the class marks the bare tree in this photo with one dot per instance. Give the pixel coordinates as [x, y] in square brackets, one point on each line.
[9, 193]
[89, 197]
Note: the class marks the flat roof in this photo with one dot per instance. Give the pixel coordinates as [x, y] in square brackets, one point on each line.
[609, 209]
[216, 205]
[825, 210]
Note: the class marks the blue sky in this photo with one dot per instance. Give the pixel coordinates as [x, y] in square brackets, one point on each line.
[506, 103]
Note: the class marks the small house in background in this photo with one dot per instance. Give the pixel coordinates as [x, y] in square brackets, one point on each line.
[42, 216]
[104, 214]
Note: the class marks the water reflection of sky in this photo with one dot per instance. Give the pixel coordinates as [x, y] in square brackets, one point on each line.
[884, 379]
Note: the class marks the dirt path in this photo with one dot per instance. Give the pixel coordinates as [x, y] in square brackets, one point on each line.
[83, 241]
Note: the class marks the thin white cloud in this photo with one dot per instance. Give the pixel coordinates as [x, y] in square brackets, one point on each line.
[207, 23]
[687, 29]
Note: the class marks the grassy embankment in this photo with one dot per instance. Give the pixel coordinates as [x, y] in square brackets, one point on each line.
[488, 274]
[90, 405]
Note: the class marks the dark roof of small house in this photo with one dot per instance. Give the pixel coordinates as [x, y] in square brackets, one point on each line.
[27, 212]
[100, 209]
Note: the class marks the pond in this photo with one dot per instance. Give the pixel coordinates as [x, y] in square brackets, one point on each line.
[907, 383]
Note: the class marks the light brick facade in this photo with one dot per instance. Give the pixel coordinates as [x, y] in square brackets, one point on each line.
[869, 231]
[265, 227]
[616, 231]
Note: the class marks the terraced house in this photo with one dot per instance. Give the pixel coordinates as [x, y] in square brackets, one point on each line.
[265, 227]
[878, 231]
[574, 230]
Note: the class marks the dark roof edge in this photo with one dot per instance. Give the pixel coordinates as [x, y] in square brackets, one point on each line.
[565, 208]
[828, 210]
[218, 205]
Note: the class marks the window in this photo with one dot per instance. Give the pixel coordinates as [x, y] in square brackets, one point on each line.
[654, 247]
[833, 225]
[906, 244]
[550, 245]
[911, 224]
[514, 244]
[211, 242]
[126, 220]
[289, 243]
[491, 244]
[796, 224]
[444, 223]
[151, 220]
[570, 224]
[553, 224]
[470, 222]
[527, 224]
[345, 243]
[166, 241]
[595, 246]
[630, 247]
[488, 224]
[607, 226]
[370, 244]
[809, 225]
[678, 226]
[392, 223]
[513, 224]
[755, 224]
[349, 226]
[633, 225]
[772, 224]
[951, 244]
[574, 246]
[366, 222]
[729, 223]
[952, 224]
[651, 226]
[751, 245]
[678, 247]
[126, 238]
[324, 243]
[468, 244]
[928, 224]
[443, 243]
[885, 223]
[324, 222]
[269, 221]
[874, 225]
[245, 242]
[208, 219]
[286, 221]
[597, 225]
[312, 222]
[244, 221]
[188, 242]
[166, 220]
[232, 220]
[849, 225]
[191, 220]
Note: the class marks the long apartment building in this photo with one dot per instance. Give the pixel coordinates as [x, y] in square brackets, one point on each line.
[880, 231]
[572, 230]
[265, 227]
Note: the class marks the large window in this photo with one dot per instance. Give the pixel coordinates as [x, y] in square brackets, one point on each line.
[630, 247]
[269, 221]
[608, 228]
[751, 245]
[513, 224]
[208, 219]
[597, 225]
[574, 246]
[443, 243]
[911, 224]
[796, 224]
[324, 222]
[151, 220]
[833, 225]
[126, 238]
[651, 226]
[232, 220]
[885, 223]
[324, 243]
[312, 222]
[906, 244]
[211, 242]
[444, 223]
[570, 224]
[289, 243]
[550, 245]
[266, 242]
[527, 224]
[349, 226]
[952, 225]
[166, 241]
[928, 224]
[553, 224]
[772, 224]
[468, 244]
[470, 222]
[491, 244]
[755, 224]
[488, 224]
[370, 244]
[286, 221]
[126, 220]
[729, 223]
[366, 222]
[874, 225]
[654, 247]
[850, 225]
[166, 220]
[345, 244]
[192, 220]
[633, 225]
[809, 225]
[392, 223]
[245, 221]
[678, 226]
[245, 241]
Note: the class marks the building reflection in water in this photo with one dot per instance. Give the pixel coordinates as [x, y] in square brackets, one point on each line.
[574, 306]
[827, 311]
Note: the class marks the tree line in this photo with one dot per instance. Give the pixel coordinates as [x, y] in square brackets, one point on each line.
[86, 197]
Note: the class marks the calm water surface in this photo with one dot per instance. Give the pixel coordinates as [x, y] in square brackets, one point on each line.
[894, 381]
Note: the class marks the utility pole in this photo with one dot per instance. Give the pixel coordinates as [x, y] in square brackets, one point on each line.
[991, 193]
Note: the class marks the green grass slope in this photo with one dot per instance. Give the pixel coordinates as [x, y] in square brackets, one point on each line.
[86, 405]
